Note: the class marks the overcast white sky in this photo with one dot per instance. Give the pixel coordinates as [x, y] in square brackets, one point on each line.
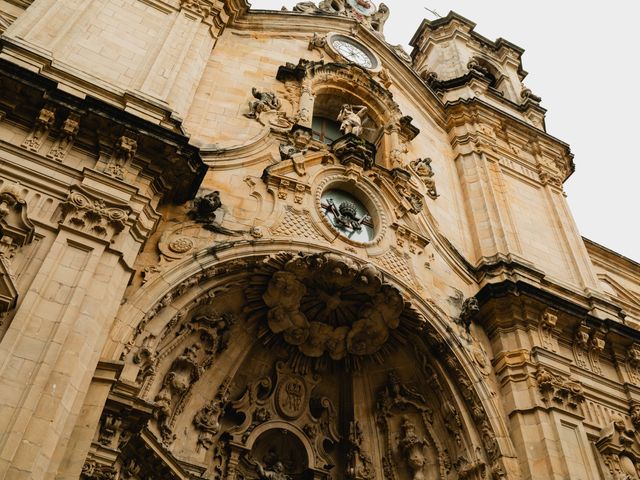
[582, 59]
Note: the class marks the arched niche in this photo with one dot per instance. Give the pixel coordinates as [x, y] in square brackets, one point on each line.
[326, 87]
[497, 80]
[241, 387]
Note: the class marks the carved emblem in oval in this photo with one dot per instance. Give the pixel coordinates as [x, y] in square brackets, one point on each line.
[291, 397]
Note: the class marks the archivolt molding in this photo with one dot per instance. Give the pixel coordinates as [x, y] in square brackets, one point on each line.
[169, 300]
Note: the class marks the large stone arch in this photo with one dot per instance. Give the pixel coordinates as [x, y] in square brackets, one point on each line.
[196, 382]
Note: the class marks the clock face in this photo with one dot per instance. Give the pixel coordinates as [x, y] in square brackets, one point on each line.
[353, 53]
[364, 7]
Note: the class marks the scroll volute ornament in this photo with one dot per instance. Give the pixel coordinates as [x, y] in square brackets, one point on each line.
[16, 231]
[619, 449]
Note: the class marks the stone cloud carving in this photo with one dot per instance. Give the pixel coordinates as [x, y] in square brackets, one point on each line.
[328, 305]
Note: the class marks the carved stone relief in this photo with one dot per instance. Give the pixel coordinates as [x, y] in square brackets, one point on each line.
[587, 347]
[199, 341]
[123, 154]
[44, 122]
[86, 212]
[310, 299]
[291, 398]
[556, 390]
[401, 408]
[619, 449]
[546, 329]
[422, 168]
[68, 132]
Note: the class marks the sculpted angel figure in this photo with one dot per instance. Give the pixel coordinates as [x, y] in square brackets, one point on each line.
[264, 102]
[276, 473]
[351, 118]
[379, 18]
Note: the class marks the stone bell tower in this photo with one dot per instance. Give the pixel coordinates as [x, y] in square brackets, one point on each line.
[239, 244]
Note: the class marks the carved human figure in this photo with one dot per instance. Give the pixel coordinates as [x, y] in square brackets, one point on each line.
[351, 117]
[412, 448]
[264, 102]
[275, 473]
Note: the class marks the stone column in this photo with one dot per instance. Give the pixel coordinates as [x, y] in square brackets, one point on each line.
[50, 351]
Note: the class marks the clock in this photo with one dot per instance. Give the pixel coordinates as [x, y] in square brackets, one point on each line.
[354, 52]
[363, 7]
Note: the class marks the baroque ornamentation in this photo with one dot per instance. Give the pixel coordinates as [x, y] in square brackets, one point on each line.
[412, 448]
[211, 336]
[68, 133]
[123, 154]
[361, 10]
[620, 450]
[207, 419]
[94, 215]
[203, 210]
[422, 168]
[351, 117]
[44, 122]
[561, 391]
[587, 346]
[359, 464]
[546, 327]
[323, 304]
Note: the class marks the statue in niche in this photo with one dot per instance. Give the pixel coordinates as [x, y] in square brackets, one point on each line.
[351, 118]
[412, 448]
[276, 473]
[264, 102]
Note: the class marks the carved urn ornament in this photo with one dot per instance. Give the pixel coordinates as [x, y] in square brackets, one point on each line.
[326, 306]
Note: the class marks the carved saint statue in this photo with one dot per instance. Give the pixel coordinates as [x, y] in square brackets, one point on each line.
[352, 119]
[276, 472]
[264, 102]
[412, 448]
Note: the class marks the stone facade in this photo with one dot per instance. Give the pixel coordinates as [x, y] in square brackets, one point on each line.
[242, 244]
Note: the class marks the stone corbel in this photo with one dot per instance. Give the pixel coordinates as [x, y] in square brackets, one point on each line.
[68, 133]
[587, 347]
[546, 329]
[44, 122]
[122, 156]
